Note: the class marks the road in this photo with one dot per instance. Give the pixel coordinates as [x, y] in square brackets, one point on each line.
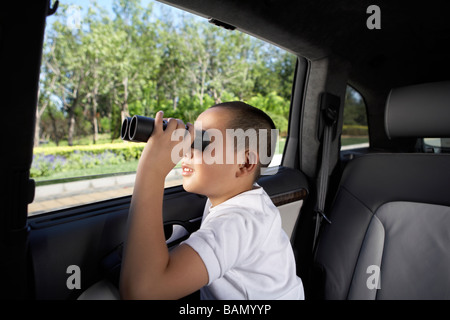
[64, 195]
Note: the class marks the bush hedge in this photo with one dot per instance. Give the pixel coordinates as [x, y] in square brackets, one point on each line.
[48, 160]
[128, 150]
[354, 130]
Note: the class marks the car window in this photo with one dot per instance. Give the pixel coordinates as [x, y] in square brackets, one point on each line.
[102, 63]
[355, 132]
[436, 145]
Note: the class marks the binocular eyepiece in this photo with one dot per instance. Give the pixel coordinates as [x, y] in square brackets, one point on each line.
[140, 128]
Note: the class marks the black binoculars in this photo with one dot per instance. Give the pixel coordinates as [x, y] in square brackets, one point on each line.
[140, 128]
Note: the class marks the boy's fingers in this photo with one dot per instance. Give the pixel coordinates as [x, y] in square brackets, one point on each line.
[190, 129]
[173, 124]
[158, 121]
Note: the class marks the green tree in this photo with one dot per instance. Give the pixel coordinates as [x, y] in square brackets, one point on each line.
[67, 63]
[132, 62]
[354, 111]
[128, 62]
[98, 48]
[276, 107]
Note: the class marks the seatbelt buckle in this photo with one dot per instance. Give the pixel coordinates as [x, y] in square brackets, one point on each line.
[329, 105]
[323, 215]
[329, 109]
[330, 115]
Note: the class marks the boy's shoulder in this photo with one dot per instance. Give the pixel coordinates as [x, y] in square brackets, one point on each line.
[252, 204]
[247, 199]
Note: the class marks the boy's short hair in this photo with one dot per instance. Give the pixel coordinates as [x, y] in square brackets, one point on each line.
[247, 117]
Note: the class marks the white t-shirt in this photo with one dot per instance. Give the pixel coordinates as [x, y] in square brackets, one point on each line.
[245, 250]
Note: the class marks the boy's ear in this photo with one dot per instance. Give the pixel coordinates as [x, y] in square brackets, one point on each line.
[250, 164]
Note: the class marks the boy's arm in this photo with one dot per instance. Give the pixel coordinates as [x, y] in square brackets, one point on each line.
[149, 271]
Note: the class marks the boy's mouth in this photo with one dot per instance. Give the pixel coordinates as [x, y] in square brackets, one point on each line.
[186, 171]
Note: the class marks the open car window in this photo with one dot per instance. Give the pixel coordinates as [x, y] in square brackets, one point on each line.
[102, 64]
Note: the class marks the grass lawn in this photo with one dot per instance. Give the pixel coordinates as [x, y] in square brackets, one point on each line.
[63, 176]
[346, 140]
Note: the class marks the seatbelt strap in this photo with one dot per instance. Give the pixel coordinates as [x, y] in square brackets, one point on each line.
[329, 108]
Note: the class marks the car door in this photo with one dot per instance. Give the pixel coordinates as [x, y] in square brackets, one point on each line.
[75, 252]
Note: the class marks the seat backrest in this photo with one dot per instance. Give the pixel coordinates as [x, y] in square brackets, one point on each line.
[390, 231]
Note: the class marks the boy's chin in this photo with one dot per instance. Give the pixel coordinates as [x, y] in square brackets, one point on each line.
[189, 187]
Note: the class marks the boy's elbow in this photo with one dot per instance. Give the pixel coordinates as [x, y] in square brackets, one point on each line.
[137, 291]
[127, 291]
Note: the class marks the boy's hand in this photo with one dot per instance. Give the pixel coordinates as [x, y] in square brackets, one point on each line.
[165, 148]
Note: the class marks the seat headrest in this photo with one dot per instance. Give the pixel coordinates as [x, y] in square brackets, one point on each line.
[420, 111]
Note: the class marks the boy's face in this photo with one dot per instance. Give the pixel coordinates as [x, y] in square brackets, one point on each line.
[219, 180]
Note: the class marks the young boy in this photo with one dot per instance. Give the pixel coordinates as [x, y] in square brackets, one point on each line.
[240, 250]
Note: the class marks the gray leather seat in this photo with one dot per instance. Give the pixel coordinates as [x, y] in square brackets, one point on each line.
[390, 231]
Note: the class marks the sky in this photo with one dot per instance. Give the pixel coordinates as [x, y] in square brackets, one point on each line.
[77, 8]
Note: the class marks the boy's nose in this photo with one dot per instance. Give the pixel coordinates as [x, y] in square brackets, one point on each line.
[189, 154]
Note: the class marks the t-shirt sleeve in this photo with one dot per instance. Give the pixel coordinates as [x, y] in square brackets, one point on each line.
[221, 242]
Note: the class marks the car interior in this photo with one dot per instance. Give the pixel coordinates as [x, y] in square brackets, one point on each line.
[370, 223]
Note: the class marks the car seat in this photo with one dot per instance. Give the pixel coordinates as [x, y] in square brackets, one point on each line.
[390, 231]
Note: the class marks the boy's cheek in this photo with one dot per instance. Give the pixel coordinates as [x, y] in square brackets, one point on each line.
[220, 157]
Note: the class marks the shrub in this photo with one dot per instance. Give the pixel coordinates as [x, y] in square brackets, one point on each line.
[44, 165]
[128, 150]
[48, 160]
[355, 130]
